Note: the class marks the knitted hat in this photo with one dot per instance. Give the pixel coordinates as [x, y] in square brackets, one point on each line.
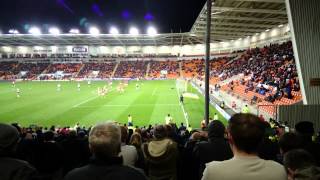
[216, 129]
[305, 128]
[9, 135]
[160, 132]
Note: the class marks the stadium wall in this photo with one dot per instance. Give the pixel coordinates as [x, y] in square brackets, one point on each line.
[296, 113]
[305, 25]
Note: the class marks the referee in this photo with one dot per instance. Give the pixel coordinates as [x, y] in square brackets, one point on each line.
[181, 98]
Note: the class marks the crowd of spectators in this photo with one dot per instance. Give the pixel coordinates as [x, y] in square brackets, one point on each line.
[195, 67]
[131, 69]
[65, 67]
[6, 70]
[105, 69]
[171, 67]
[248, 148]
[269, 72]
[32, 69]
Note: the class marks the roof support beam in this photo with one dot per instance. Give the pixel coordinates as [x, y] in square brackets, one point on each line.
[255, 25]
[231, 33]
[242, 29]
[249, 10]
[263, 1]
[278, 20]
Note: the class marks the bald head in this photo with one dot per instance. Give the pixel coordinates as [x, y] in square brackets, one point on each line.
[105, 140]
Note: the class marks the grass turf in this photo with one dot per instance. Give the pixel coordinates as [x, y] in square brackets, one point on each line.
[41, 104]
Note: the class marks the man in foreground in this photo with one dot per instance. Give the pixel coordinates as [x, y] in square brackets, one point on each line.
[245, 132]
[105, 145]
[10, 167]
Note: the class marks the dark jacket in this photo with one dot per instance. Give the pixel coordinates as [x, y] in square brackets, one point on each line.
[216, 149]
[14, 169]
[108, 169]
[161, 159]
[310, 173]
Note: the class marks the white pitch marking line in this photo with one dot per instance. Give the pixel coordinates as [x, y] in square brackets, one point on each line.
[85, 101]
[154, 91]
[183, 110]
[126, 105]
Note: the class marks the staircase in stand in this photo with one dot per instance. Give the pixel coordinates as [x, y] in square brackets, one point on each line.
[115, 69]
[148, 69]
[180, 69]
[77, 73]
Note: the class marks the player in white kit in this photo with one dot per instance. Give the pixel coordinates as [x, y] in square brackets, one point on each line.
[18, 93]
[58, 87]
[78, 86]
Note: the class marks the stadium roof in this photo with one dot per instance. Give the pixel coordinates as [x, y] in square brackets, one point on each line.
[231, 19]
[99, 40]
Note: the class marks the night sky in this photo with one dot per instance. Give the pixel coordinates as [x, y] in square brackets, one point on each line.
[167, 15]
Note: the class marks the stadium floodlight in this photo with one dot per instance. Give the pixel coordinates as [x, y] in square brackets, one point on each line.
[54, 31]
[152, 31]
[13, 31]
[94, 31]
[114, 31]
[74, 31]
[134, 31]
[34, 31]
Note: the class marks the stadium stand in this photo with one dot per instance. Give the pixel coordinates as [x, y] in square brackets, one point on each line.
[269, 76]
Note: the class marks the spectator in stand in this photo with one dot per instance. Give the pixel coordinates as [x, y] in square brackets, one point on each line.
[105, 145]
[10, 167]
[128, 152]
[300, 165]
[245, 133]
[289, 141]
[76, 150]
[136, 141]
[305, 130]
[49, 157]
[161, 155]
[215, 149]
[187, 156]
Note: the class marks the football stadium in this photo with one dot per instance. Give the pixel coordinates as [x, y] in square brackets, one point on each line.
[210, 89]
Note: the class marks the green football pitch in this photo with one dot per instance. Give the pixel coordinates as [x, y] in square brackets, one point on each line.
[40, 103]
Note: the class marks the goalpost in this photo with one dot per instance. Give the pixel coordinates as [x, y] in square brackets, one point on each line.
[182, 85]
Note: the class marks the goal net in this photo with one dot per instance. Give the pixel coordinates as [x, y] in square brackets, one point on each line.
[182, 85]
